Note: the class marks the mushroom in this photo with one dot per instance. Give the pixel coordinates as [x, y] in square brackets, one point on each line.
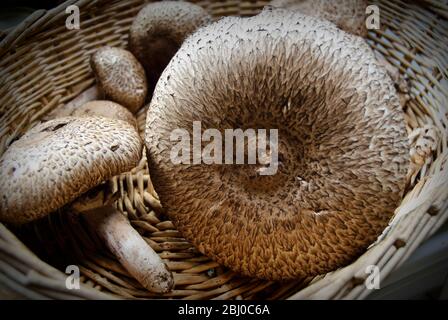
[343, 151]
[104, 108]
[120, 76]
[348, 15]
[158, 31]
[58, 161]
[65, 110]
[401, 81]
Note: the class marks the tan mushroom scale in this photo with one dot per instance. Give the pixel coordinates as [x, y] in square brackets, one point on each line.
[57, 161]
[158, 31]
[104, 108]
[349, 15]
[120, 76]
[343, 148]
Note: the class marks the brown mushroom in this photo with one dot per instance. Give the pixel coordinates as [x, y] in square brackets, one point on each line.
[158, 31]
[104, 108]
[120, 76]
[56, 162]
[65, 110]
[401, 81]
[348, 15]
[343, 151]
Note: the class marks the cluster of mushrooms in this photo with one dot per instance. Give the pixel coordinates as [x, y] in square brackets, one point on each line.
[301, 67]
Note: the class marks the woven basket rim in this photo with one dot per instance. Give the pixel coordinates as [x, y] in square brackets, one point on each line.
[425, 207]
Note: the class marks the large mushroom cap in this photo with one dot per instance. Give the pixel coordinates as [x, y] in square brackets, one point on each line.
[57, 161]
[120, 76]
[342, 144]
[349, 15]
[158, 31]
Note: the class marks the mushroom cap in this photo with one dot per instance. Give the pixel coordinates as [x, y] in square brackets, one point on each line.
[348, 15]
[120, 76]
[65, 110]
[57, 161]
[158, 31]
[104, 108]
[342, 144]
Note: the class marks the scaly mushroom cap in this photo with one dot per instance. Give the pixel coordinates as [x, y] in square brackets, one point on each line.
[104, 108]
[57, 161]
[348, 15]
[120, 76]
[158, 31]
[342, 145]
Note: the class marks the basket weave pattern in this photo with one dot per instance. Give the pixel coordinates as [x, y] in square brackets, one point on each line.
[43, 66]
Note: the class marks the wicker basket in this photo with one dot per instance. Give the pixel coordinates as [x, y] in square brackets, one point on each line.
[44, 65]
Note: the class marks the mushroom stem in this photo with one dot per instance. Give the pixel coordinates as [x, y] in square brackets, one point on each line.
[133, 252]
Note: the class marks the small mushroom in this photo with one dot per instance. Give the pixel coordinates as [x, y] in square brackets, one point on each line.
[56, 162]
[343, 151]
[106, 109]
[158, 31]
[65, 110]
[120, 76]
[348, 15]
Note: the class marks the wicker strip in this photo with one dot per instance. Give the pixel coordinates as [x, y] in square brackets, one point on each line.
[44, 66]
